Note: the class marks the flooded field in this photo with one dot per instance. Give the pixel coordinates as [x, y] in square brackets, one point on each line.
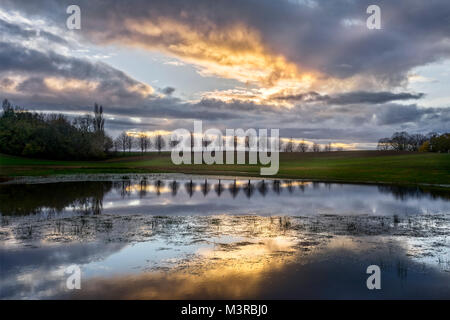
[177, 237]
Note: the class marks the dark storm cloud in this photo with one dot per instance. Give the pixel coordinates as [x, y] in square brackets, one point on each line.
[114, 89]
[29, 32]
[313, 34]
[109, 85]
[400, 114]
[17, 58]
[353, 97]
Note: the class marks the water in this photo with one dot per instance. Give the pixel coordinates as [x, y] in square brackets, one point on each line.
[176, 237]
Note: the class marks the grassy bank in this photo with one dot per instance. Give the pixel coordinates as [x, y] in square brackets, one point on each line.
[349, 166]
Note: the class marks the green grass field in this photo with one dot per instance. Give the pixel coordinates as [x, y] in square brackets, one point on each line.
[349, 166]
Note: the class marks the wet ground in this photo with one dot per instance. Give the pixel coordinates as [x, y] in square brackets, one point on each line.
[173, 237]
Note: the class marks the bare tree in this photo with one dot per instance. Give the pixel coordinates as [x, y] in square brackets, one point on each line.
[328, 147]
[402, 141]
[316, 147]
[159, 143]
[205, 142]
[121, 141]
[144, 142]
[303, 147]
[280, 144]
[117, 145]
[289, 146]
[174, 141]
[129, 142]
[384, 144]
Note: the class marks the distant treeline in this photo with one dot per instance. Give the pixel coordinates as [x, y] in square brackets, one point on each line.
[403, 141]
[53, 136]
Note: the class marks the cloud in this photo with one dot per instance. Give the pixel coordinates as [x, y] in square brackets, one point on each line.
[168, 90]
[310, 68]
[352, 97]
[49, 76]
[273, 42]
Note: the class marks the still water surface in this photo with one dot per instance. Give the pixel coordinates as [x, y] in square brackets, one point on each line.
[148, 237]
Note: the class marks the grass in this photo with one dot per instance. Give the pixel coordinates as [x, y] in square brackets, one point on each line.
[348, 166]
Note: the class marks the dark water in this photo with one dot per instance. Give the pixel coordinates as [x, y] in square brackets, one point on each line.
[150, 238]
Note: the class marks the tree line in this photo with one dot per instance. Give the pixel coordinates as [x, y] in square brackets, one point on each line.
[53, 136]
[141, 141]
[403, 141]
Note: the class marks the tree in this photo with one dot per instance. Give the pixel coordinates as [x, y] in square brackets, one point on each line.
[205, 142]
[99, 121]
[143, 142]
[384, 144]
[440, 143]
[280, 144]
[328, 147]
[121, 141]
[159, 143]
[425, 147]
[52, 136]
[108, 144]
[129, 142]
[416, 141]
[174, 141]
[402, 141]
[302, 147]
[8, 109]
[316, 147]
[399, 141]
[289, 146]
[117, 145]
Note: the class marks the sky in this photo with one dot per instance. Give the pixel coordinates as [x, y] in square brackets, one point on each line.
[310, 68]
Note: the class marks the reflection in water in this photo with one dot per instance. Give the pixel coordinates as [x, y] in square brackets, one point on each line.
[174, 186]
[205, 188]
[298, 198]
[234, 188]
[219, 188]
[234, 257]
[54, 197]
[150, 239]
[262, 188]
[248, 189]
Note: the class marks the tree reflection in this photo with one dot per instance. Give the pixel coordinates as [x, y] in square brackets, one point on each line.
[289, 186]
[25, 199]
[190, 188]
[87, 197]
[234, 189]
[174, 186]
[143, 185]
[248, 189]
[276, 186]
[219, 188]
[262, 188]
[158, 185]
[123, 187]
[205, 188]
